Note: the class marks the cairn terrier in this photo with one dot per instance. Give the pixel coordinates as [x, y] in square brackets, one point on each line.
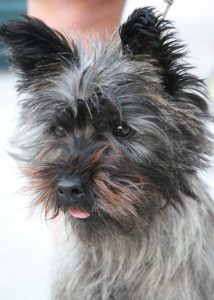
[113, 135]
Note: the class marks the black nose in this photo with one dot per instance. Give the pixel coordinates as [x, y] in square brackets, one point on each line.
[70, 190]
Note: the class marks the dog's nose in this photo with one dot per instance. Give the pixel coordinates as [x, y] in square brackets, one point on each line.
[70, 189]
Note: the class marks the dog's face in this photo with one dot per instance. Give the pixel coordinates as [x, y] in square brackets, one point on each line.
[112, 136]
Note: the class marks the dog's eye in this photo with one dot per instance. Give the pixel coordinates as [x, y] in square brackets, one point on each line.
[122, 130]
[59, 131]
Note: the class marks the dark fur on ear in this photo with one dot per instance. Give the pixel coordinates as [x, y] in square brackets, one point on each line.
[146, 33]
[35, 49]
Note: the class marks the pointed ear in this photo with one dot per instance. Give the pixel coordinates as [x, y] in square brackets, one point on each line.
[34, 48]
[146, 33]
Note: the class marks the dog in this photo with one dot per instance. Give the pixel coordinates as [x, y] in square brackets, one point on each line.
[113, 138]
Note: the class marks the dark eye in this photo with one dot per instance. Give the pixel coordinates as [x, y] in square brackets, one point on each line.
[59, 131]
[122, 130]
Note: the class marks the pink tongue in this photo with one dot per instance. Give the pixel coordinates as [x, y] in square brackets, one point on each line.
[76, 213]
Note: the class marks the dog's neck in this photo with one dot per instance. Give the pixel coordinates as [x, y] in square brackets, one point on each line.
[167, 251]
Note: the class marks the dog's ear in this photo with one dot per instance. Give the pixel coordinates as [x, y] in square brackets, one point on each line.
[146, 33]
[34, 48]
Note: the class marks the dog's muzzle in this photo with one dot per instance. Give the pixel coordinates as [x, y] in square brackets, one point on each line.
[71, 193]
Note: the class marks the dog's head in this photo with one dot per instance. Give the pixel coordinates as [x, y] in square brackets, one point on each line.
[111, 134]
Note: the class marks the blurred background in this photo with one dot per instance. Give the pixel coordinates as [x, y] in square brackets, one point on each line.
[26, 243]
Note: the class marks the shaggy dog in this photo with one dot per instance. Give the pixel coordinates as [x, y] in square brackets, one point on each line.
[114, 137]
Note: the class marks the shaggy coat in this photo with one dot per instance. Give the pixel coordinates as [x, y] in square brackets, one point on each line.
[127, 119]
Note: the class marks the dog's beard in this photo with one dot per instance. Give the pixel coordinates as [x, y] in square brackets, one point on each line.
[118, 200]
[121, 208]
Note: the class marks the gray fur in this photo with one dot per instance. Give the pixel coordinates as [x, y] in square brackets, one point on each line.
[150, 234]
[171, 261]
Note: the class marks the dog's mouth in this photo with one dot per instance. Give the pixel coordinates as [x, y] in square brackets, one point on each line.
[79, 214]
